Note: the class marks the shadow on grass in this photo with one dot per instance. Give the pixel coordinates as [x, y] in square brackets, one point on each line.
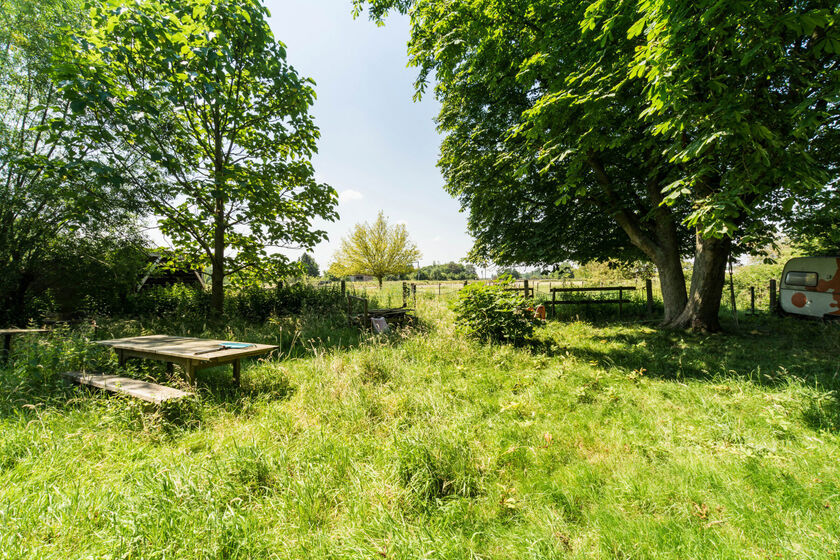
[764, 349]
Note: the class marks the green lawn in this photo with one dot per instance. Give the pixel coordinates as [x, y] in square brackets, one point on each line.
[601, 440]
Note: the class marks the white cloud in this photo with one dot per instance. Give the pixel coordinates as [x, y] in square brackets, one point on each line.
[437, 238]
[350, 195]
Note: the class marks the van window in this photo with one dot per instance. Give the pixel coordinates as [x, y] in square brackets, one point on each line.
[808, 279]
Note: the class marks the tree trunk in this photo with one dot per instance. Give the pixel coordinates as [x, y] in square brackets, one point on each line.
[217, 296]
[672, 283]
[702, 311]
[660, 244]
[380, 281]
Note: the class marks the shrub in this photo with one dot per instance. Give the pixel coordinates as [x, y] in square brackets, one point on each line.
[489, 312]
[254, 303]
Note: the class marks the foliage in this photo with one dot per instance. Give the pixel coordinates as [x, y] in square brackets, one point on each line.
[508, 273]
[92, 275]
[52, 185]
[490, 312]
[196, 103]
[815, 226]
[448, 271]
[253, 303]
[377, 249]
[310, 267]
[657, 119]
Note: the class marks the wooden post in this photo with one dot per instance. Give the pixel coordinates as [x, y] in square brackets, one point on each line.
[367, 320]
[439, 285]
[525, 284]
[752, 300]
[405, 294]
[649, 292]
[7, 347]
[620, 294]
[236, 372]
[414, 294]
[772, 295]
[343, 288]
[349, 311]
[553, 304]
[466, 282]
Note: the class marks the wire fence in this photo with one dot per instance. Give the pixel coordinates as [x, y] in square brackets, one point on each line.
[752, 295]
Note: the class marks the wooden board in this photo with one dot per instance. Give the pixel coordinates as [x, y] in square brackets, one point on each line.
[149, 392]
[194, 349]
[23, 331]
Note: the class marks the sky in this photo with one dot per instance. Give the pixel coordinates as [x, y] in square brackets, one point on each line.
[378, 147]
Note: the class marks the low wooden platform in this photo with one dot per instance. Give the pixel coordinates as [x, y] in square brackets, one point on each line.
[149, 392]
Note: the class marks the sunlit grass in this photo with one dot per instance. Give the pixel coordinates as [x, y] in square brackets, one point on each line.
[600, 440]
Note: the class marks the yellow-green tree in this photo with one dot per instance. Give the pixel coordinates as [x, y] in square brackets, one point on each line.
[377, 249]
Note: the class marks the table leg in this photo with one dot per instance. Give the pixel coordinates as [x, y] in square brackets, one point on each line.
[170, 368]
[189, 369]
[7, 347]
[236, 372]
[121, 357]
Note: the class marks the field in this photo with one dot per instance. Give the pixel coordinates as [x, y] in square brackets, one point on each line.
[602, 439]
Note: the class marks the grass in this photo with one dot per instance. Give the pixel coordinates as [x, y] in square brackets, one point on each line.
[600, 440]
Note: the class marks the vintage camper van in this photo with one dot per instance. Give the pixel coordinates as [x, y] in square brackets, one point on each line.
[811, 287]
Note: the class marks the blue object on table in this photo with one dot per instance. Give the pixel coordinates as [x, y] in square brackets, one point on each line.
[235, 345]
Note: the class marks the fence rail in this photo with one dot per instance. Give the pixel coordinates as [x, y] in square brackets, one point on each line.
[751, 297]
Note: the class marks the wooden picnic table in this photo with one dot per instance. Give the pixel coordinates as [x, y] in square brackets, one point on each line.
[192, 354]
[7, 338]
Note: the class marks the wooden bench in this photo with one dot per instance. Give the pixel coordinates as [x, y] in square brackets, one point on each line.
[149, 392]
[620, 300]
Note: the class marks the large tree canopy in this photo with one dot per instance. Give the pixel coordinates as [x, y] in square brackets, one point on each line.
[52, 183]
[195, 102]
[652, 118]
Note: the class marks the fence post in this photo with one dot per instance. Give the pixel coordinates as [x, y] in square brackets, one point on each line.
[553, 304]
[439, 285]
[414, 293]
[620, 298]
[349, 312]
[649, 292]
[343, 288]
[367, 319]
[525, 285]
[405, 294]
[772, 295]
[752, 300]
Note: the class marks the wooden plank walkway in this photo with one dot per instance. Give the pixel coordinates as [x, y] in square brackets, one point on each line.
[149, 392]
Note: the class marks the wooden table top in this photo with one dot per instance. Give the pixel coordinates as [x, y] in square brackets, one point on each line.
[23, 331]
[199, 349]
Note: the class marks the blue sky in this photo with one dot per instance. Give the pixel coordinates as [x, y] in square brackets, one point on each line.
[378, 147]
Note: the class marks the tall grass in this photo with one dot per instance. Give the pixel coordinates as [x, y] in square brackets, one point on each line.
[599, 440]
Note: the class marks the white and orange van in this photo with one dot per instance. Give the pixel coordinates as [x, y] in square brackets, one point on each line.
[811, 287]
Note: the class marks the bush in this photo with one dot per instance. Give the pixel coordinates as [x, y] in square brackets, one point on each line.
[489, 312]
[253, 304]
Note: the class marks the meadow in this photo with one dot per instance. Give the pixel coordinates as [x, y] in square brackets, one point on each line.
[599, 439]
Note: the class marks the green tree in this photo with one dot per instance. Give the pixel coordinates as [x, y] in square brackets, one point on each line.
[52, 184]
[815, 227]
[310, 267]
[197, 104]
[377, 249]
[656, 120]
